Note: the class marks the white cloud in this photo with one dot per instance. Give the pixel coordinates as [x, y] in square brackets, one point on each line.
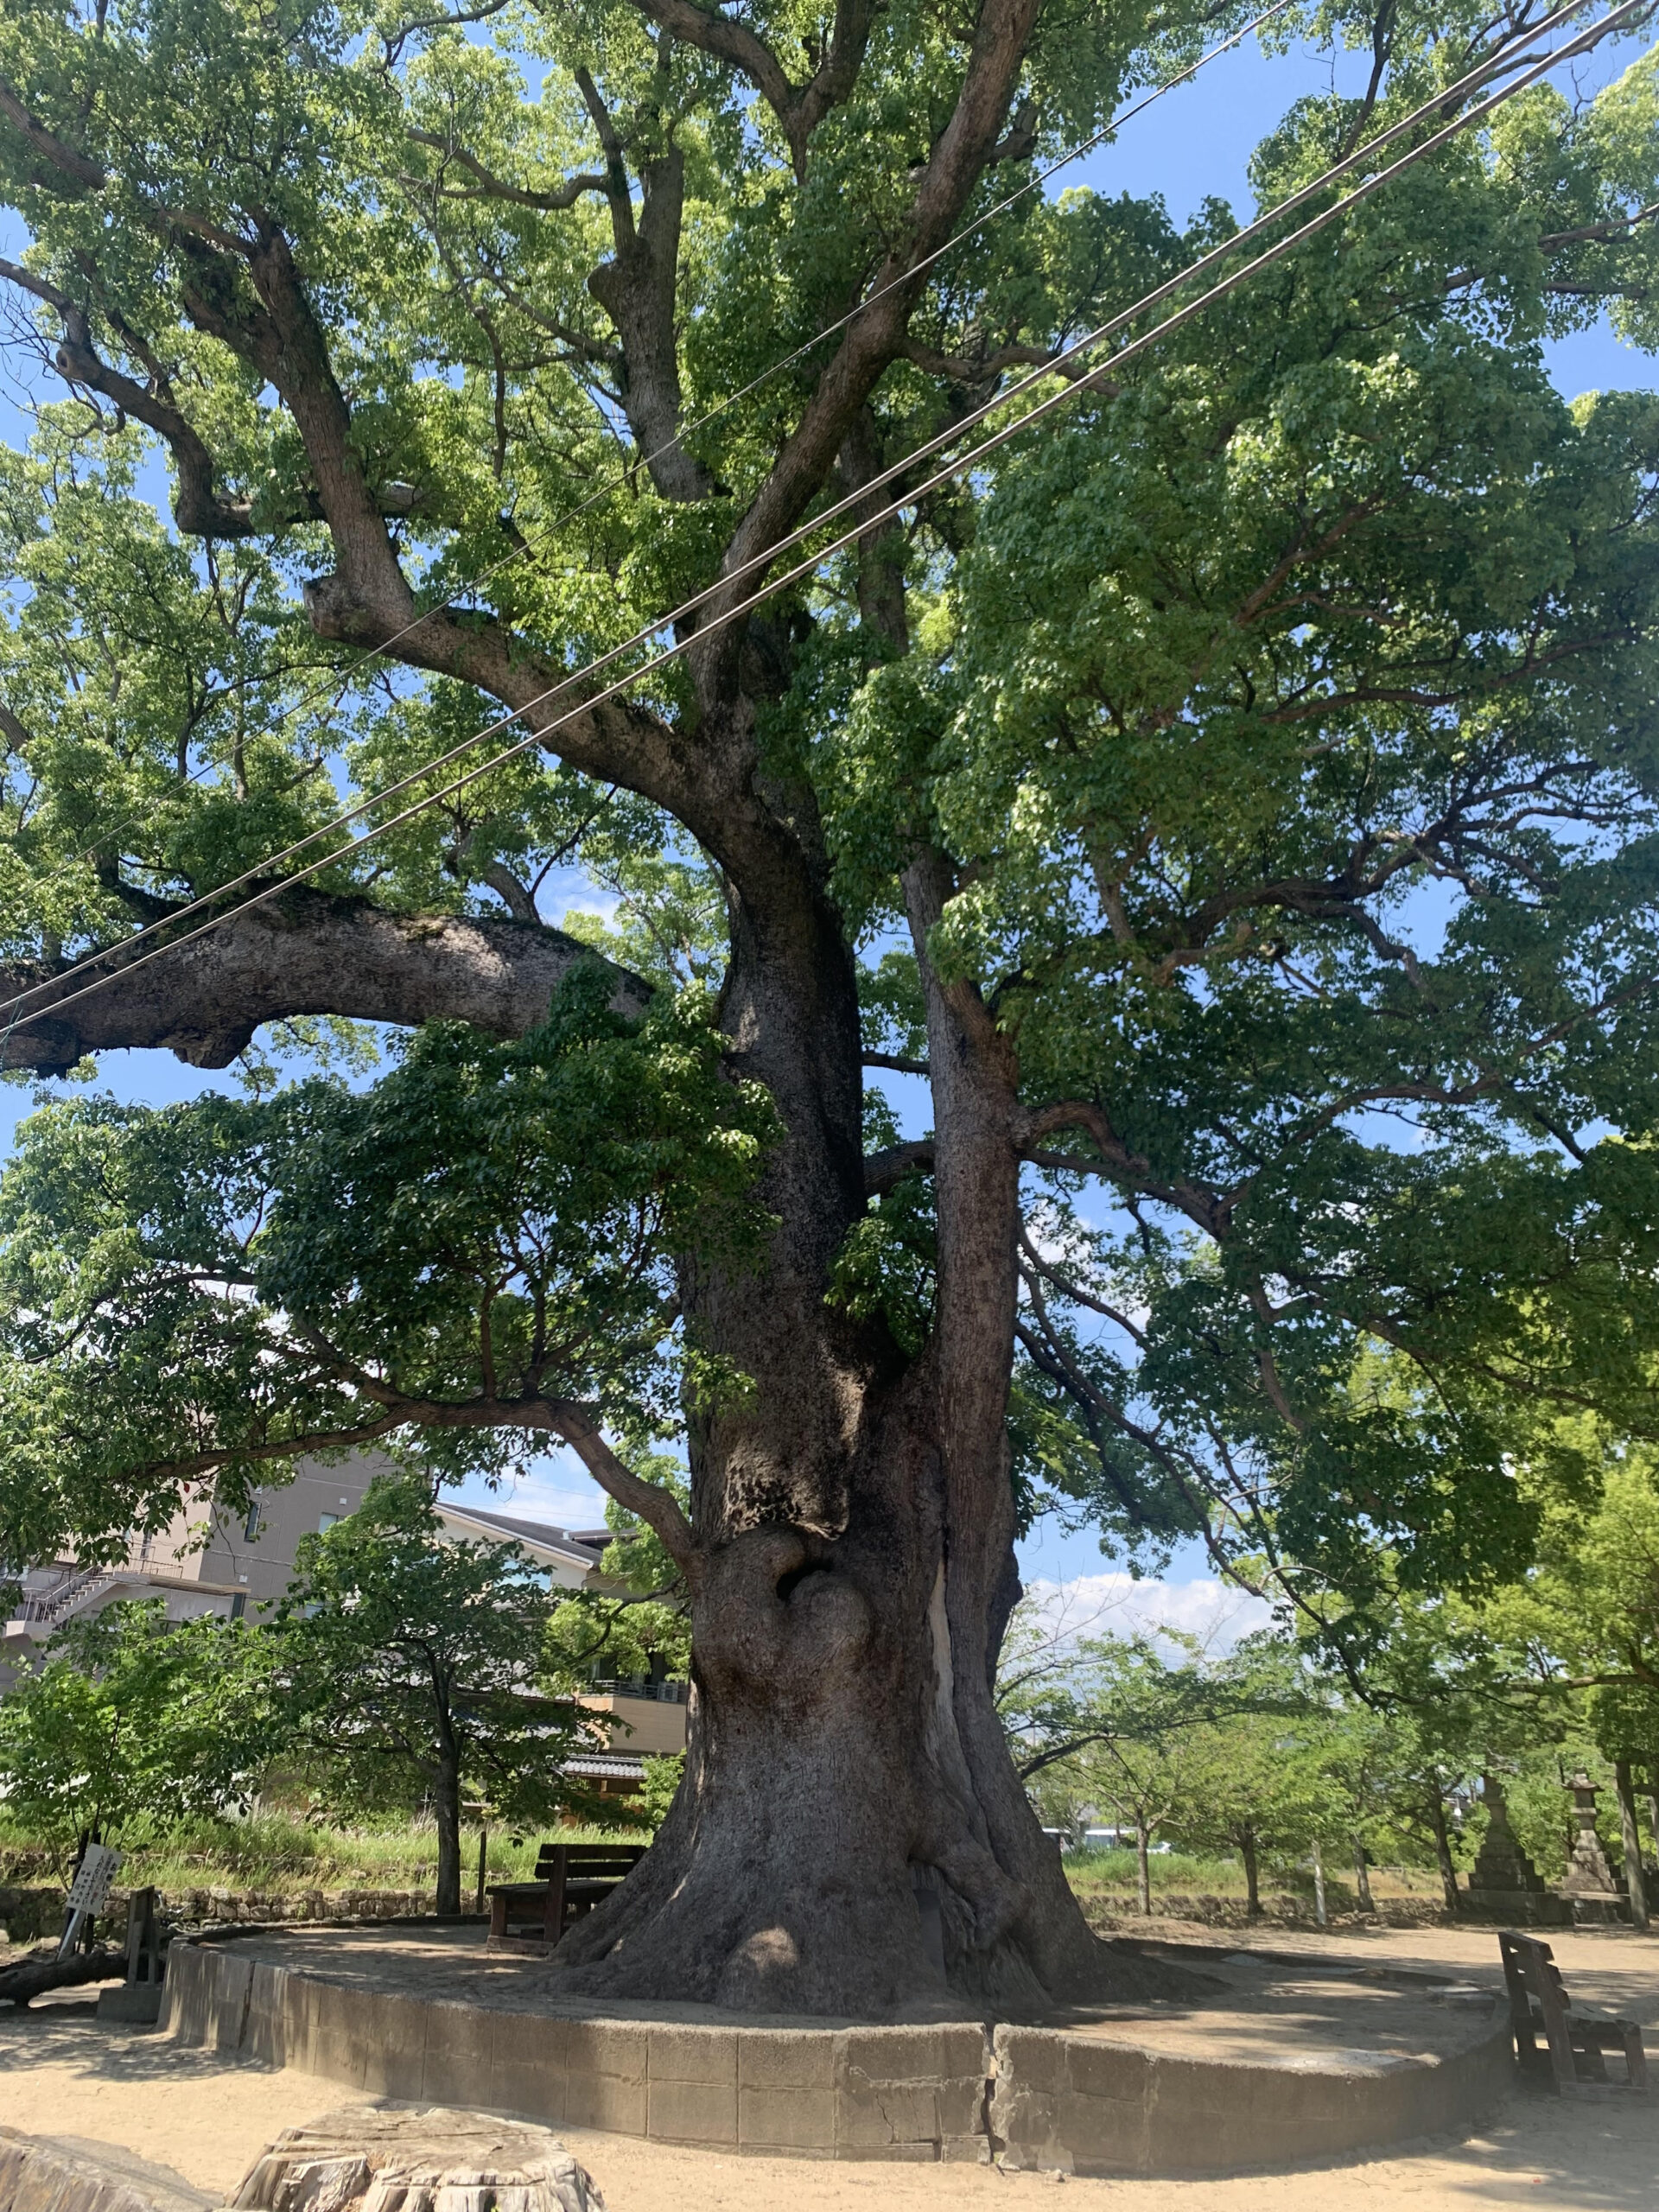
[596, 905]
[553, 1489]
[1116, 1605]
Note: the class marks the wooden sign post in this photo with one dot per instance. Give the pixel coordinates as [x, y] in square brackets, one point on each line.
[89, 1891]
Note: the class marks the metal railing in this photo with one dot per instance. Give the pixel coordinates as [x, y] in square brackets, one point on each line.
[636, 1686]
[48, 1607]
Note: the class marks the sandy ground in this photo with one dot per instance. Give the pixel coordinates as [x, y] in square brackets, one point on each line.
[60, 2073]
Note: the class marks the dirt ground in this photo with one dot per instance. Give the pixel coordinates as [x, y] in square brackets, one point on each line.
[60, 2073]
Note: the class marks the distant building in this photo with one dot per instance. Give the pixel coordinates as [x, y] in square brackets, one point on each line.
[209, 1560]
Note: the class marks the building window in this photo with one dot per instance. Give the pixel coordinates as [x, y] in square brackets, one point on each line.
[326, 1522]
[239, 1605]
[250, 1526]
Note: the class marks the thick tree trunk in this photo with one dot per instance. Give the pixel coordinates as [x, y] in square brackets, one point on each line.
[826, 1779]
[1362, 1876]
[1143, 1867]
[1252, 1870]
[1630, 1834]
[446, 1806]
[1436, 1808]
[853, 1522]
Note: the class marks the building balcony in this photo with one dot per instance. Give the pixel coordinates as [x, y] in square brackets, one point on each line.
[650, 1724]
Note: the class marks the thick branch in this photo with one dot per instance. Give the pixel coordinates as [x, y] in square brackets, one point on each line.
[47, 146]
[799, 109]
[658, 1508]
[577, 1424]
[1618, 227]
[959, 158]
[883, 1171]
[965, 369]
[307, 952]
[494, 187]
[1116, 1159]
[42, 1969]
[199, 510]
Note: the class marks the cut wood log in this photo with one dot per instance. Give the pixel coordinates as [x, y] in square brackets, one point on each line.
[62, 2173]
[42, 1969]
[438, 2160]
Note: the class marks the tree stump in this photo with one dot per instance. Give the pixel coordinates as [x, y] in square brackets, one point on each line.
[364, 2159]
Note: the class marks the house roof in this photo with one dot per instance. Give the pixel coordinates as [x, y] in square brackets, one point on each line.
[581, 1550]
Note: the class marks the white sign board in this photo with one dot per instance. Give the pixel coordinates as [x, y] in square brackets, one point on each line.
[90, 1887]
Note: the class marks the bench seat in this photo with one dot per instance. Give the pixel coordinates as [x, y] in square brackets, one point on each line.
[570, 1880]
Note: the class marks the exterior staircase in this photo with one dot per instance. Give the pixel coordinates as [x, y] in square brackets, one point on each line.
[43, 1610]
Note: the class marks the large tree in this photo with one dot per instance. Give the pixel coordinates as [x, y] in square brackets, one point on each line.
[1233, 798]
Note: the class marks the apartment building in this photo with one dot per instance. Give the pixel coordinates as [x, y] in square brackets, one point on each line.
[209, 1560]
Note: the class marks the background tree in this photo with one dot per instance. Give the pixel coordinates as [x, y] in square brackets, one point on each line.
[135, 1723]
[410, 1666]
[1135, 1767]
[1128, 753]
[1254, 1781]
[639, 1624]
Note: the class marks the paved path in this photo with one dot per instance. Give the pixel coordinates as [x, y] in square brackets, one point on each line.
[61, 2074]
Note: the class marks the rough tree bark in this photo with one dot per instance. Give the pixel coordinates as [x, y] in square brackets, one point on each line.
[42, 1969]
[849, 1555]
[1247, 1852]
[1631, 1835]
[1436, 1809]
[1362, 1877]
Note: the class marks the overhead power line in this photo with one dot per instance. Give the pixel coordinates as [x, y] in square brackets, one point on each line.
[543, 539]
[1504, 58]
[723, 617]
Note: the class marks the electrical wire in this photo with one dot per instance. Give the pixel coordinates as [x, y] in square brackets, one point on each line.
[1504, 58]
[731, 613]
[341, 678]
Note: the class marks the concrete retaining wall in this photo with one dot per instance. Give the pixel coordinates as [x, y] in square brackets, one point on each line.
[854, 2092]
[1074, 2104]
[26, 1914]
[1030, 2097]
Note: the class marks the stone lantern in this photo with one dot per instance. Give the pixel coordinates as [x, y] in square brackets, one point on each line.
[1595, 1893]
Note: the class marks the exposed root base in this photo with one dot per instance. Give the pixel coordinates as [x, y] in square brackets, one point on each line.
[1114, 1976]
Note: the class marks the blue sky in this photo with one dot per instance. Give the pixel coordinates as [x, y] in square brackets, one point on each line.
[1194, 143]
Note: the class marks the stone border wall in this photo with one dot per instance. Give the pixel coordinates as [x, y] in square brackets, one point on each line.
[853, 2093]
[31, 1911]
[1026, 2097]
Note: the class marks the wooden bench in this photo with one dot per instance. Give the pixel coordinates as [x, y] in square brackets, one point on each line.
[570, 1880]
[1574, 2041]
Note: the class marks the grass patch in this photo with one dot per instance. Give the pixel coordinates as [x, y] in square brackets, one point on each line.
[278, 1855]
[1098, 1872]
[1112, 1867]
